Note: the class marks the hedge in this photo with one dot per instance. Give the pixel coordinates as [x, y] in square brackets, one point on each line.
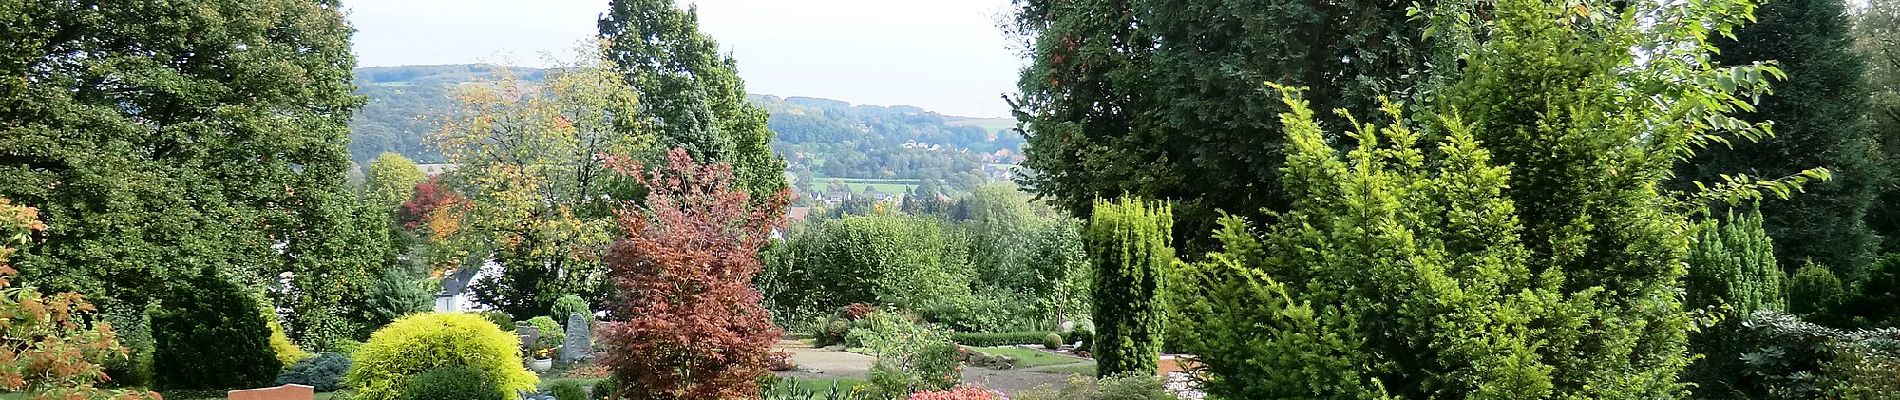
[999, 338]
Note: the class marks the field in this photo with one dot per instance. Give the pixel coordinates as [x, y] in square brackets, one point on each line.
[858, 185]
[998, 125]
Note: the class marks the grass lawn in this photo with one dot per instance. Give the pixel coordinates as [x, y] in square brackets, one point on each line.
[818, 386]
[1083, 368]
[1030, 358]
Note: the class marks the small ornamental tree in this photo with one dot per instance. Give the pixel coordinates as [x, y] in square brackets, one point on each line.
[1127, 240]
[47, 348]
[683, 275]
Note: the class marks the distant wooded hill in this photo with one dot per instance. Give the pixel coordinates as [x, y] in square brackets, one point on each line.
[820, 138]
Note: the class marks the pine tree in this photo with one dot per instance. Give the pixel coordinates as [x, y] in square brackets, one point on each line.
[1127, 240]
[690, 93]
[1817, 115]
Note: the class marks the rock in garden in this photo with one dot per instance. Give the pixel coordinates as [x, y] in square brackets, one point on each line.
[579, 346]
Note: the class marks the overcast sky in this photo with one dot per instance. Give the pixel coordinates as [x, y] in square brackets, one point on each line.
[942, 55]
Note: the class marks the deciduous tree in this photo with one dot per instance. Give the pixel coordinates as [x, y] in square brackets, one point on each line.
[691, 94]
[682, 276]
[529, 161]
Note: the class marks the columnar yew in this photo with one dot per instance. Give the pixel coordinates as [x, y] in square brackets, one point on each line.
[1127, 240]
[682, 278]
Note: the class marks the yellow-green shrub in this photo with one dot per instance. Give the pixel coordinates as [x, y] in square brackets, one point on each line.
[287, 352]
[417, 343]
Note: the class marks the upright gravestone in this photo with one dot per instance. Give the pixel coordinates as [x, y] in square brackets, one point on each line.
[529, 335]
[579, 346]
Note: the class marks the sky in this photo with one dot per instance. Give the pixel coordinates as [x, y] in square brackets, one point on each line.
[943, 55]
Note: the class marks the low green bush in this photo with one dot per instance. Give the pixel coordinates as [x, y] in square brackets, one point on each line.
[911, 357]
[991, 339]
[501, 320]
[453, 383]
[1052, 341]
[1082, 337]
[323, 372]
[394, 355]
[551, 332]
[567, 389]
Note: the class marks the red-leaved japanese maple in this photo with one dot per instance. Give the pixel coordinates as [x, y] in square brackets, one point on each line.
[693, 325]
[430, 195]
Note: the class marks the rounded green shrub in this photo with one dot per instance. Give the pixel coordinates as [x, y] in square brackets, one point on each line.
[452, 383]
[419, 343]
[1052, 341]
[209, 335]
[567, 389]
[551, 333]
[323, 372]
[569, 305]
[501, 320]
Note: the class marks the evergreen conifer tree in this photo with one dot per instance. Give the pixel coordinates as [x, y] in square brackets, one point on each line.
[1127, 240]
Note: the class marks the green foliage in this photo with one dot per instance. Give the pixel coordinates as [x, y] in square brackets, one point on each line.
[1877, 30]
[1127, 242]
[566, 306]
[903, 261]
[394, 294]
[500, 319]
[157, 158]
[1525, 252]
[1152, 98]
[1732, 265]
[1732, 274]
[540, 196]
[1052, 341]
[910, 357]
[134, 327]
[385, 366]
[1871, 303]
[1126, 386]
[53, 346]
[694, 97]
[1788, 358]
[287, 353]
[391, 180]
[323, 372]
[567, 389]
[211, 335]
[1817, 112]
[453, 383]
[990, 339]
[1083, 336]
[808, 389]
[551, 333]
[1814, 290]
